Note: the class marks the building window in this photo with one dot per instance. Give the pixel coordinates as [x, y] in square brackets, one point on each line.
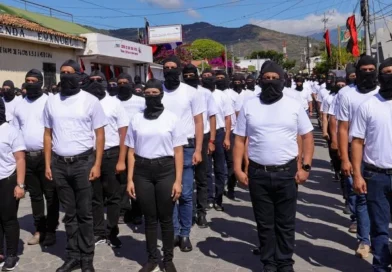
[49, 74]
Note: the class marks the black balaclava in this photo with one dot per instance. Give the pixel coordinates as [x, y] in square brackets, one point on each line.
[113, 91]
[321, 80]
[366, 81]
[272, 90]
[84, 81]
[287, 81]
[385, 80]
[138, 93]
[221, 84]
[350, 69]
[3, 117]
[335, 88]
[154, 106]
[330, 81]
[208, 82]
[69, 83]
[137, 80]
[34, 90]
[237, 87]
[9, 94]
[23, 88]
[96, 88]
[125, 90]
[191, 81]
[172, 76]
[250, 83]
[301, 80]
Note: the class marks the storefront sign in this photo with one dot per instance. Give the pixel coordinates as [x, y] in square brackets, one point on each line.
[25, 34]
[128, 50]
[27, 53]
[164, 34]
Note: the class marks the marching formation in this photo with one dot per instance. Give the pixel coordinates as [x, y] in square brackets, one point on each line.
[138, 152]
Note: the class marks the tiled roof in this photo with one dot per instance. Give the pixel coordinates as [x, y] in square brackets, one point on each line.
[15, 21]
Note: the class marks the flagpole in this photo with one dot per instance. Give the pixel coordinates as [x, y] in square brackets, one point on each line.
[339, 49]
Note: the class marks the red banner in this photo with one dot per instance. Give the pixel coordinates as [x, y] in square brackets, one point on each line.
[328, 43]
[352, 45]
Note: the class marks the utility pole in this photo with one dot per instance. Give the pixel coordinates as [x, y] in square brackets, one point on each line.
[226, 58]
[375, 36]
[325, 20]
[232, 60]
[366, 24]
[308, 54]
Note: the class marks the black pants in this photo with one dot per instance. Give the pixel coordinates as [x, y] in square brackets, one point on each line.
[75, 193]
[231, 179]
[38, 187]
[9, 225]
[201, 178]
[274, 198]
[154, 181]
[107, 187]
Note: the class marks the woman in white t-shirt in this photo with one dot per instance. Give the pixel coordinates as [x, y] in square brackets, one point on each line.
[12, 188]
[155, 163]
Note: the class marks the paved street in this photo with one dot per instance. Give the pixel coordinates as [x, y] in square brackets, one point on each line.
[322, 240]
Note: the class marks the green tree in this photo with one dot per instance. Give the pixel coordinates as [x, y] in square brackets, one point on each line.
[339, 59]
[289, 64]
[270, 54]
[206, 49]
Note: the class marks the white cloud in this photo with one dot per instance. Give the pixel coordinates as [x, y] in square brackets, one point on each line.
[307, 25]
[193, 13]
[165, 3]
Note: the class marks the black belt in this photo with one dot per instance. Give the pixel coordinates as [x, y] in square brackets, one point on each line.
[272, 168]
[191, 143]
[373, 168]
[72, 159]
[34, 153]
[112, 150]
[160, 159]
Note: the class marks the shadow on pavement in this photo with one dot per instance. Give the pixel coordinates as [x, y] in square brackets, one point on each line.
[323, 214]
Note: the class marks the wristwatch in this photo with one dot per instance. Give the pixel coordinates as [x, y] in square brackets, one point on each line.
[212, 142]
[306, 167]
[21, 186]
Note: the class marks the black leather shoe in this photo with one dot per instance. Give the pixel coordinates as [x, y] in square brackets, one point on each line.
[50, 239]
[69, 265]
[176, 241]
[218, 208]
[185, 244]
[202, 221]
[87, 266]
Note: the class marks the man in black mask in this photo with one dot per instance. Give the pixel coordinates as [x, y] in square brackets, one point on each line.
[28, 118]
[349, 101]
[132, 104]
[138, 90]
[191, 77]
[84, 81]
[138, 80]
[71, 119]
[10, 98]
[287, 81]
[274, 167]
[350, 74]
[371, 149]
[250, 83]
[188, 105]
[97, 84]
[112, 87]
[237, 83]
[305, 93]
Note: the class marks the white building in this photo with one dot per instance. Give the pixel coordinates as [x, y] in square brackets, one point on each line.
[249, 63]
[384, 38]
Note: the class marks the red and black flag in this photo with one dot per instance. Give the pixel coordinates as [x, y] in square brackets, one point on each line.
[352, 45]
[328, 43]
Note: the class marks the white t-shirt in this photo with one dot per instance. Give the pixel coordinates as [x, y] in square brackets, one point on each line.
[306, 97]
[272, 129]
[335, 102]
[29, 118]
[210, 104]
[233, 98]
[326, 104]
[185, 103]
[225, 108]
[372, 123]
[293, 94]
[11, 141]
[257, 90]
[134, 105]
[10, 107]
[156, 138]
[116, 117]
[242, 97]
[73, 120]
[322, 94]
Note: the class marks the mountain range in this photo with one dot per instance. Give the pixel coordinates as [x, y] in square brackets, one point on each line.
[242, 40]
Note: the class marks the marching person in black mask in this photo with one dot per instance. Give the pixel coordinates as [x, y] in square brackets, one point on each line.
[84, 81]
[29, 119]
[112, 87]
[350, 74]
[132, 105]
[250, 83]
[306, 94]
[138, 90]
[72, 120]
[10, 99]
[113, 164]
[237, 83]
[275, 170]
[347, 108]
[287, 81]
[155, 169]
[138, 80]
[191, 77]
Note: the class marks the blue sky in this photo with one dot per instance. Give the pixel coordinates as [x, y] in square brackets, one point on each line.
[290, 16]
